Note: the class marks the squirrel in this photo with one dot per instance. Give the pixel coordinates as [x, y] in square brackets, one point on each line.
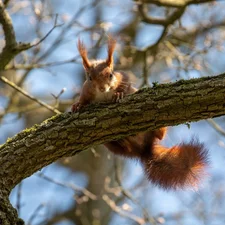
[181, 166]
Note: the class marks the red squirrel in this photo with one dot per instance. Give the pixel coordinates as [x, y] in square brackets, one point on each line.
[177, 167]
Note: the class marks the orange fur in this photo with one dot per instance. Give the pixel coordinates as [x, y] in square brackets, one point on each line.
[170, 168]
[179, 167]
[83, 54]
[111, 48]
[182, 166]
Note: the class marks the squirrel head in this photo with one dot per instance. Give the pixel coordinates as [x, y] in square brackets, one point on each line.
[99, 72]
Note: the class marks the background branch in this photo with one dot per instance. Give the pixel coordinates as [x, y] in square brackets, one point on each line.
[12, 48]
[11, 84]
[177, 3]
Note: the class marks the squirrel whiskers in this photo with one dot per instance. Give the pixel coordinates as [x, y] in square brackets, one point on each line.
[178, 167]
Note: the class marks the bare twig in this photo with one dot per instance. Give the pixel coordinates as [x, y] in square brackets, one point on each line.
[37, 65]
[216, 126]
[177, 3]
[56, 97]
[127, 194]
[12, 48]
[49, 32]
[121, 212]
[74, 187]
[13, 85]
[59, 39]
[35, 214]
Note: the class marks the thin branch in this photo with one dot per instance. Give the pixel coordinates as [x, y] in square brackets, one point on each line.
[12, 48]
[121, 212]
[165, 21]
[127, 194]
[35, 214]
[177, 3]
[59, 39]
[27, 67]
[13, 85]
[36, 65]
[49, 32]
[194, 32]
[74, 187]
[12, 96]
[63, 105]
[216, 126]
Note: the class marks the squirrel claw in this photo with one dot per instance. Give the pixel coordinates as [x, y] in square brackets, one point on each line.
[118, 96]
[76, 107]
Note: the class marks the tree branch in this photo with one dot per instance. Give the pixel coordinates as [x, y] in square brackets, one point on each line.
[177, 3]
[6, 2]
[66, 134]
[150, 108]
[23, 92]
[160, 21]
[12, 48]
[10, 38]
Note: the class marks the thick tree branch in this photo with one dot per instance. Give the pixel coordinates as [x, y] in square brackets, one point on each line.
[8, 215]
[151, 108]
[67, 134]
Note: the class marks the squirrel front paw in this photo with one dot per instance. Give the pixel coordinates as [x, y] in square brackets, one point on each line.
[76, 107]
[117, 96]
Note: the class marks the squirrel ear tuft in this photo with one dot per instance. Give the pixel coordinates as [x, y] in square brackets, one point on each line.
[111, 48]
[83, 53]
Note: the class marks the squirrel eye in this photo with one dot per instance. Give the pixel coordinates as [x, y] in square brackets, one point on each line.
[90, 78]
[111, 75]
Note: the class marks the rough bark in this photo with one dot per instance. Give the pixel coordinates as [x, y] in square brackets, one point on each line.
[8, 215]
[66, 134]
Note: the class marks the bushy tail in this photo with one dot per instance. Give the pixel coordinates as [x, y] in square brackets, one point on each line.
[178, 167]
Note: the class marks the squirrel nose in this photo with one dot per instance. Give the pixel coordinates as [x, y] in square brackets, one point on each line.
[102, 89]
